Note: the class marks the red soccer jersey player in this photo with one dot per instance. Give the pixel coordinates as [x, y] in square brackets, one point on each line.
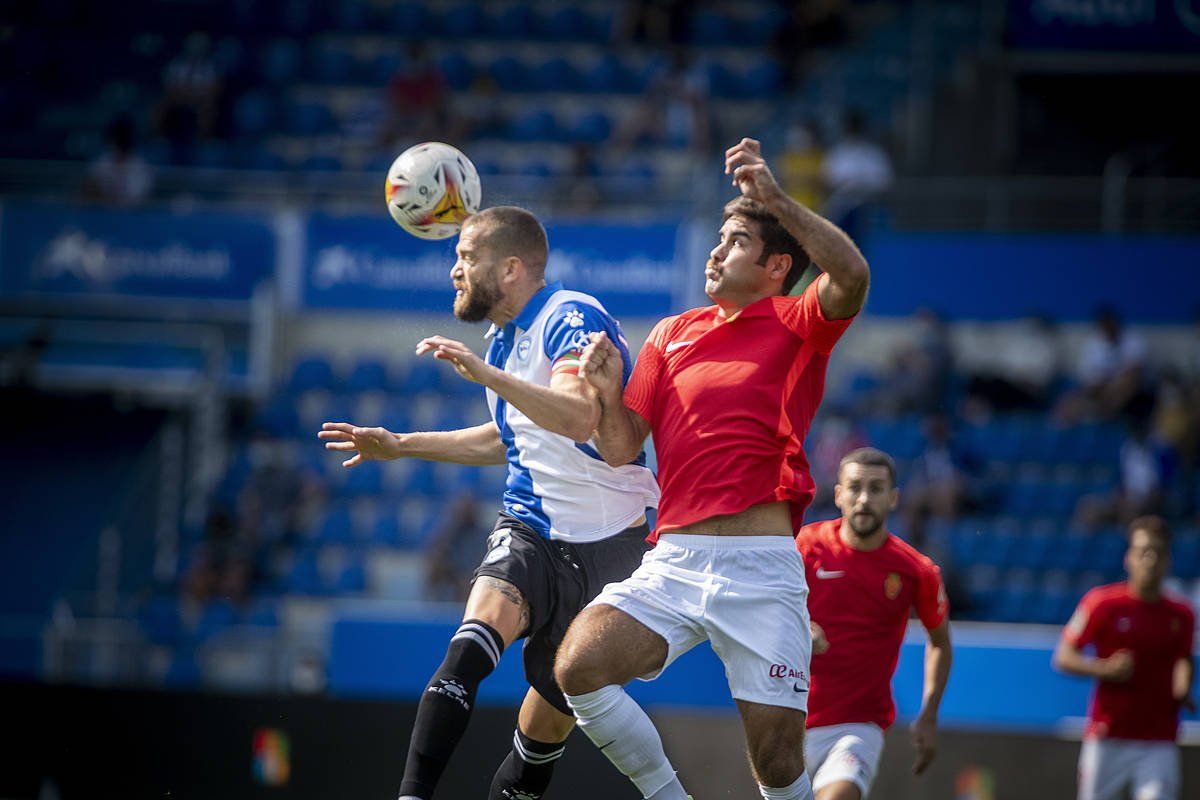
[1143, 671]
[863, 582]
[728, 392]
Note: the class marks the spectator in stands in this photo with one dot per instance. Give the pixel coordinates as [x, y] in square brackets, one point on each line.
[191, 97]
[656, 22]
[1023, 375]
[453, 551]
[940, 478]
[1145, 469]
[418, 100]
[802, 164]
[119, 177]
[920, 374]
[674, 109]
[858, 171]
[577, 189]
[810, 26]
[1112, 374]
[834, 435]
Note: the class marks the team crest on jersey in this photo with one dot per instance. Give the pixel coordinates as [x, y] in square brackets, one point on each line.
[574, 318]
[892, 585]
[524, 347]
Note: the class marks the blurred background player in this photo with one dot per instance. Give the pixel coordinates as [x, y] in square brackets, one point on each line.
[863, 581]
[1143, 670]
[570, 524]
[729, 392]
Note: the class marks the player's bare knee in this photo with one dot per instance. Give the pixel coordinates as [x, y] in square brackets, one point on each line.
[778, 766]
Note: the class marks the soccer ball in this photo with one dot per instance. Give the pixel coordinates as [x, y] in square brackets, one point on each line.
[431, 189]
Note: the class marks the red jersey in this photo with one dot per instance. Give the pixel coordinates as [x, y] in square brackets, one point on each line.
[729, 402]
[862, 600]
[1158, 634]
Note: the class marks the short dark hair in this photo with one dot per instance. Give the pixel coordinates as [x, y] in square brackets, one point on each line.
[513, 231]
[1154, 525]
[776, 239]
[869, 457]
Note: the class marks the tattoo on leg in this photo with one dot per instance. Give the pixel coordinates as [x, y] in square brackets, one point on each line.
[511, 594]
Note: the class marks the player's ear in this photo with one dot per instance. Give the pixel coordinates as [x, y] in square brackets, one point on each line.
[780, 265]
[894, 500]
[513, 269]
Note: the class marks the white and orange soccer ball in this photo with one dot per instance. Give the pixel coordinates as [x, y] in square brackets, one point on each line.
[431, 190]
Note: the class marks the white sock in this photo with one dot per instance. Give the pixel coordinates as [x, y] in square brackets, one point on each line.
[623, 732]
[801, 789]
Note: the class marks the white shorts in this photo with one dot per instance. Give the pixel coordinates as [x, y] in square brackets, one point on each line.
[746, 594]
[1108, 768]
[847, 752]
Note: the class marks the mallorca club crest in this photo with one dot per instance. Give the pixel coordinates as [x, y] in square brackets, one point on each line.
[892, 585]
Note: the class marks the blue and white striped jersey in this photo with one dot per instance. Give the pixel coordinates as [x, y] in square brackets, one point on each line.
[562, 489]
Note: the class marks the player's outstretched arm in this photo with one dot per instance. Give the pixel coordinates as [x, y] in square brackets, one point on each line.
[568, 406]
[621, 431]
[845, 291]
[939, 654]
[477, 446]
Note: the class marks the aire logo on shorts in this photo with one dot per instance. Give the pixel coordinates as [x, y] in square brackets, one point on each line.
[784, 671]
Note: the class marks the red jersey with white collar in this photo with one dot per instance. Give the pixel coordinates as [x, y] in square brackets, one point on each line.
[862, 600]
[1158, 634]
[729, 402]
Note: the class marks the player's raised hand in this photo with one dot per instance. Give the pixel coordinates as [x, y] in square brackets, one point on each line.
[601, 365]
[1117, 668]
[924, 739]
[820, 643]
[750, 172]
[465, 361]
[367, 444]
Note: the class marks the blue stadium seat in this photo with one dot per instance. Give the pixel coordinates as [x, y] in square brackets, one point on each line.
[511, 22]
[280, 62]
[160, 621]
[305, 577]
[711, 27]
[1185, 555]
[260, 158]
[457, 69]
[331, 63]
[253, 113]
[412, 19]
[309, 119]
[216, 616]
[351, 579]
[364, 480]
[1105, 554]
[568, 23]
[534, 126]
[608, 75]
[555, 75]
[593, 128]
[312, 372]
[464, 21]
[386, 530]
[368, 375]
[510, 74]
[337, 527]
[322, 162]
[263, 613]
[762, 80]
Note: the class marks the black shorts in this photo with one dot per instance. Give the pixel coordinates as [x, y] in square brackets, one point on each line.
[557, 579]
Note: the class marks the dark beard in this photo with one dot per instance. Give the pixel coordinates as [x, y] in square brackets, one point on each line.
[476, 303]
[876, 524]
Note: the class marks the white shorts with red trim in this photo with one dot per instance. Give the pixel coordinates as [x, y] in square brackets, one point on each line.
[747, 595]
[1113, 769]
[847, 752]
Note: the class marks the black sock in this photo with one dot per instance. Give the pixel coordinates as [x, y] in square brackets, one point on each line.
[526, 772]
[446, 703]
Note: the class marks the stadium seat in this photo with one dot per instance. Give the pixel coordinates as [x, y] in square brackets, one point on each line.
[509, 74]
[311, 372]
[253, 113]
[533, 126]
[280, 62]
[593, 127]
[309, 119]
[457, 69]
[351, 578]
[1185, 555]
[215, 617]
[160, 622]
[331, 64]
[304, 577]
[336, 527]
[368, 374]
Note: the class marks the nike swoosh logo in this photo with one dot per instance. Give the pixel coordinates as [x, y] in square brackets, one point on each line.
[825, 574]
[606, 745]
[796, 688]
[676, 345]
